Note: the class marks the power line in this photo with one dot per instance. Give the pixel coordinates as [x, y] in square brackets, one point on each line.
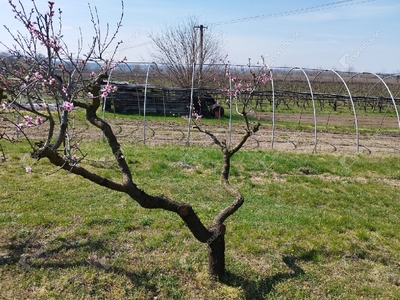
[325, 6]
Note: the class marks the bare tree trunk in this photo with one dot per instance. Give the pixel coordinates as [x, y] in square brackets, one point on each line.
[216, 257]
[216, 244]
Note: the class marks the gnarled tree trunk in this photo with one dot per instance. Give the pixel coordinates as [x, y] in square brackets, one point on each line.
[216, 253]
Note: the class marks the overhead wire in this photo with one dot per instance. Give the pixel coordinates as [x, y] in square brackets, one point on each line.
[314, 8]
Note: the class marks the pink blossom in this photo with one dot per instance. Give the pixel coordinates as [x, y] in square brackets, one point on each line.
[51, 13]
[109, 88]
[53, 44]
[5, 105]
[93, 74]
[28, 169]
[28, 121]
[197, 116]
[37, 75]
[265, 78]
[38, 121]
[31, 27]
[228, 91]
[52, 81]
[105, 90]
[238, 85]
[90, 95]
[68, 106]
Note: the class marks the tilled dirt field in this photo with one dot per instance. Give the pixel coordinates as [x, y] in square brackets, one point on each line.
[385, 138]
[307, 141]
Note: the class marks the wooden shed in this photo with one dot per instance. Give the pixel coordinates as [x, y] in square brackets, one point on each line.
[129, 98]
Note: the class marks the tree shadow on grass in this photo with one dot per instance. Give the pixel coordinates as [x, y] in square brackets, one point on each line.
[259, 289]
[30, 255]
[31, 249]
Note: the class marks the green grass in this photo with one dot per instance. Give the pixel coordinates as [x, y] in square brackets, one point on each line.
[313, 226]
[292, 123]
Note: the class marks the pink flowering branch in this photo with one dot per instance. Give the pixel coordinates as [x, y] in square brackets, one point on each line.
[244, 86]
[66, 83]
[62, 77]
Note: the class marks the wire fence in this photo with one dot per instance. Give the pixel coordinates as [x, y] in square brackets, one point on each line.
[301, 109]
[322, 98]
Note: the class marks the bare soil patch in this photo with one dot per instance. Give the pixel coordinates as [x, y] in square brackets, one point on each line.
[307, 141]
[379, 141]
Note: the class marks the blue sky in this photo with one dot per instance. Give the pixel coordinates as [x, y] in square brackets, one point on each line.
[360, 35]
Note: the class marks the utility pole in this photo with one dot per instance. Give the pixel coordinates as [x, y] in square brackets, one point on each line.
[201, 58]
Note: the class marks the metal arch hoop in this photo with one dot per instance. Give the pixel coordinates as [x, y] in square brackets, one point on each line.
[230, 109]
[312, 100]
[351, 100]
[145, 100]
[389, 91]
[273, 108]
[391, 76]
[191, 103]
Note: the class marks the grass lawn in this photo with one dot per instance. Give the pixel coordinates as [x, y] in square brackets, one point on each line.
[313, 226]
